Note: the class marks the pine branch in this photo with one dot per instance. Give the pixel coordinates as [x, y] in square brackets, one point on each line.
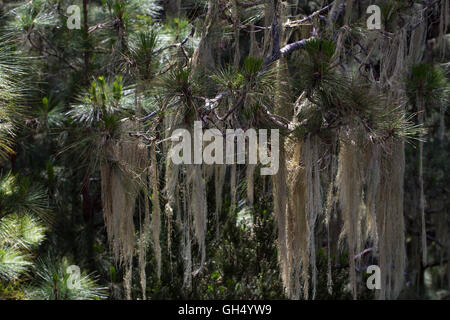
[296, 23]
[176, 45]
[101, 26]
[286, 50]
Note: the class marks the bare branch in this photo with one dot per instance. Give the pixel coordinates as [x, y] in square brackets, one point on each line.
[296, 23]
[183, 42]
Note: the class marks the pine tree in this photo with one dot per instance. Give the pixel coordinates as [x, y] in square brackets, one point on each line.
[350, 103]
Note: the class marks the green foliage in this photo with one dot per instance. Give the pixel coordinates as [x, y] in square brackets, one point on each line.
[51, 283]
[49, 115]
[143, 53]
[21, 231]
[17, 195]
[37, 14]
[320, 51]
[12, 89]
[126, 9]
[19, 236]
[252, 66]
[104, 102]
[180, 85]
[427, 81]
[13, 263]
[228, 78]
[244, 259]
[337, 100]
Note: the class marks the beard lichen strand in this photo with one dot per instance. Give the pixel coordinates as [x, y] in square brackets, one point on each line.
[219, 180]
[250, 172]
[171, 176]
[389, 200]
[418, 36]
[309, 205]
[236, 30]
[314, 199]
[390, 222]
[297, 226]
[296, 222]
[144, 241]
[127, 279]
[372, 183]
[122, 170]
[186, 238]
[203, 54]
[254, 48]
[233, 188]
[171, 173]
[420, 110]
[279, 203]
[304, 207]
[142, 258]
[156, 209]
[199, 210]
[385, 170]
[329, 209]
[269, 11]
[287, 253]
[349, 193]
[444, 21]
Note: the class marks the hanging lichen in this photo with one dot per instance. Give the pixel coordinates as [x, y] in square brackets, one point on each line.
[349, 193]
[156, 210]
[124, 163]
[122, 170]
